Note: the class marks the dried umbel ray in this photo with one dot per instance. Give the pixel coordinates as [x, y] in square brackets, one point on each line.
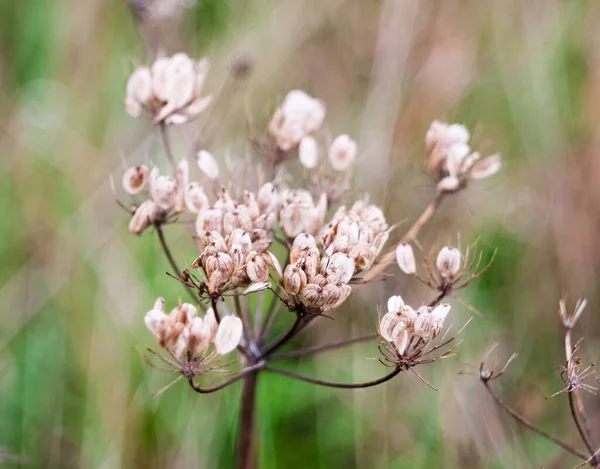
[328, 250]
[573, 373]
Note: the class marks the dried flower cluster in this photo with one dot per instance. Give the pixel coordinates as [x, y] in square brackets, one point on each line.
[169, 90]
[407, 332]
[182, 329]
[451, 161]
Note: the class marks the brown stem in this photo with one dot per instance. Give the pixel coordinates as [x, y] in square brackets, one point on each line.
[321, 348]
[247, 451]
[390, 256]
[333, 384]
[245, 372]
[167, 251]
[582, 425]
[523, 421]
[283, 338]
[576, 404]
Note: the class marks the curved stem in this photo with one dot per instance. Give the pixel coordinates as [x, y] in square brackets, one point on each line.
[283, 338]
[171, 259]
[321, 348]
[582, 426]
[233, 379]
[526, 423]
[390, 256]
[167, 144]
[333, 384]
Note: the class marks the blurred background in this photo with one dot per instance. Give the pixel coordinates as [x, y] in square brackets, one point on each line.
[74, 284]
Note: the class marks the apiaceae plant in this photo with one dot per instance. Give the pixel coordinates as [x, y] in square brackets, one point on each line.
[303, 246]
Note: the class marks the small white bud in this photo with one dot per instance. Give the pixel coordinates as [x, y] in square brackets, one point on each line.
[448, 262]
[308, 152]
[228, 335]
[406, 258]
[207, 164]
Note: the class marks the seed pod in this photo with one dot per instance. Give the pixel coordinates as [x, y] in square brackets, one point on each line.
[294, 279]
[145, 215]
[448, 262]
[241, 238]
[310, 264]
[228, 335]
[213, 239]
[139, 90]
[379, 241]
[336, 294]
[256, 287]
[267, 198]
[387, 324]
[195, 199]
[216, 281]
[238, 218]
[210, 219]
[425, 326]
[257, 267]
[182, 342]
[308, 152]
[338, 264]
[312, 295]
[164, 191]
[200, 336]
[405, 257]
[171, 335]
[408, 316]
[240, 277]
[395, 303]
[207, 164]
[210, 322]
[155, 320]
[274, 262]
[135, 179]
[364, 255]
[184, 313]
[323, 279]
[400, 338]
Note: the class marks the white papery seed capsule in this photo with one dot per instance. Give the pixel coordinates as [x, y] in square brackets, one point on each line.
[145, 215]
[448, 262]
[207, 164]
[294, 279]
[257, 267]
[400, 338]
[312, 295]
[228, 335]
[342, 153]
[387, 324]
[195, 199]
[308, 152]
[200, 336]
[395, 303]
[406, 258]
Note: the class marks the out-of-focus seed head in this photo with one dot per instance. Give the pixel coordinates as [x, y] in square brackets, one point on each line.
[448, 262]
[209, 220]
[342, 153]
[135, 179]
[228, 335]
[406, 258]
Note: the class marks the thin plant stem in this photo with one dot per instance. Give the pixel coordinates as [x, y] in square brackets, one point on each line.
[526, 423]
[167, 144]
[576, 405]
[390, 256]
[333, 384]
[242, 374]
[171, 259]
[283, 338]
[321, 348]
[272, 314]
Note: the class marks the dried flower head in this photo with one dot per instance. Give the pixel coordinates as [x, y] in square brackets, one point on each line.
[169, 90]
[451, 162]
[299, 116]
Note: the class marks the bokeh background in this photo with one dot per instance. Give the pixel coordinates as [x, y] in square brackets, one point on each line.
[74, 285]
